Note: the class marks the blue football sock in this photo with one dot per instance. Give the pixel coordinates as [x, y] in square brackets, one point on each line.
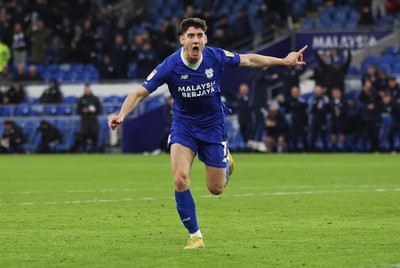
[187, 210]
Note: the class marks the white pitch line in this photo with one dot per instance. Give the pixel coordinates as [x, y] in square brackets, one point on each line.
[70, 191]
[379, 190]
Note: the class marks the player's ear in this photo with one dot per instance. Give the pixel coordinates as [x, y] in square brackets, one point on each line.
[205, 38]
[181, 40]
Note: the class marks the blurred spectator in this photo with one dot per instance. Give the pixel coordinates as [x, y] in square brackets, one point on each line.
[5, 77]
[320, 108]
[166, 39]
[40, 39]
[5, 55]
[168, 121]
[371, 75]
[393, 88]
[5, 27]
[106, 70]
[32, 75]
[65, 31]
[241, 26]
[120, 57]
[297, 107]
[223, 34]
[21, 73]
[335, 73]
[51, 136]
[290, 77]
[146, 60]
[338, 118]
[15, 94]
[12, 138]
[19, 46]
[366, 18]
[87, 42]
[277, 130]
[368, 94]
[88, 108]
[353, 126]
[378, 9]
[80, 9]
[244, 112]
[258, 102]
[371, 117]
[382, 83]
[393, 108]
[319, 72]
[52, 94]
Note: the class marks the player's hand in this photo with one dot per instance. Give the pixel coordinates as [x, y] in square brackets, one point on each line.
[295, 58]
[115, 121]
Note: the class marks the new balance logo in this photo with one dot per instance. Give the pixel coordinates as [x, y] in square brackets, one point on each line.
[187, 219]
[184, 76]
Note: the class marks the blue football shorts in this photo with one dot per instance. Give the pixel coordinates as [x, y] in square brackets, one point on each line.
[209, 143]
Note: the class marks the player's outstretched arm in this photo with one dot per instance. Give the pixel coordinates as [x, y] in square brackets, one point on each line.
[260, 61]
[130, 103]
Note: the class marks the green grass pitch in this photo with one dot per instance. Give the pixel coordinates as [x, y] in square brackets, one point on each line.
[278, 211]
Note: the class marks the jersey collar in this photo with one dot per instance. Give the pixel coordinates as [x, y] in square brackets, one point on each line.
[190, 65]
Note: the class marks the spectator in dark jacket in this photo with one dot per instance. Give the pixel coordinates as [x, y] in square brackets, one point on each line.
[244, 112]
[393, 88]
[371, 117]
[89, 108]
[52, 94]
[338, 117]
[368, 94]
[51, 136]
[277, 130]
[335, 73]
[297, 107]
[320, 108]
[16, 93]
[12, 138]
[390, 106]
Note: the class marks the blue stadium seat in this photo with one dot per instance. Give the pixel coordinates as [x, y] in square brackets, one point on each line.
[22, 110]
[6, 110]
[396, 68]
[387, 58]
[68, 139]
[112, 99]
[70, 99]
[78, 68]
[66, 110]
[385, 67]
[51, 110]
[33, 141]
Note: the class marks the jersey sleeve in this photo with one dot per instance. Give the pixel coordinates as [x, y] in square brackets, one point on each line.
[156, 78]
[228, 59]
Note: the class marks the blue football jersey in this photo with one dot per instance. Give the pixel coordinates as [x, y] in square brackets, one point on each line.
[195, 88]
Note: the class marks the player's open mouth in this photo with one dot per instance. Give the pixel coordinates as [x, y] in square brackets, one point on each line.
[196, 49]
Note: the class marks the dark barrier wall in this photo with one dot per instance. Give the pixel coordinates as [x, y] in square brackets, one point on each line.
[144, 133]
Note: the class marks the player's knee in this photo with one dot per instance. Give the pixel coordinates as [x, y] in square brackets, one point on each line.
[216, 190]
[181, 182]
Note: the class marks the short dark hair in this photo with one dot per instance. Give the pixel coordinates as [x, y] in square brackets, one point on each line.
[193, 22]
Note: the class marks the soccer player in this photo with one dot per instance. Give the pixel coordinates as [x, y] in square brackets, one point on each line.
[193, 76]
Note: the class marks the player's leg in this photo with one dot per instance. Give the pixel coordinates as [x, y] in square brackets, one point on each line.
[219, 165]
[181, 163]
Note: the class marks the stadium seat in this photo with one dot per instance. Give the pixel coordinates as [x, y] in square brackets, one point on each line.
[22, 110]
[51, 110]
[112, 99]
[6, 110]
[68, 139]
[70, 99]
[33, 142]
[396, 68]
[67, 110]
[385, 67]
[387, 58]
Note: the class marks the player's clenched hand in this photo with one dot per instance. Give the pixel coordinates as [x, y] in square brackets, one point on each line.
[295, 58]
[115, 121]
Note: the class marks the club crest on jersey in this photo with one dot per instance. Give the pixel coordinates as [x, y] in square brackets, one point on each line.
[152, 74]
[228, 54]
[209, 73]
